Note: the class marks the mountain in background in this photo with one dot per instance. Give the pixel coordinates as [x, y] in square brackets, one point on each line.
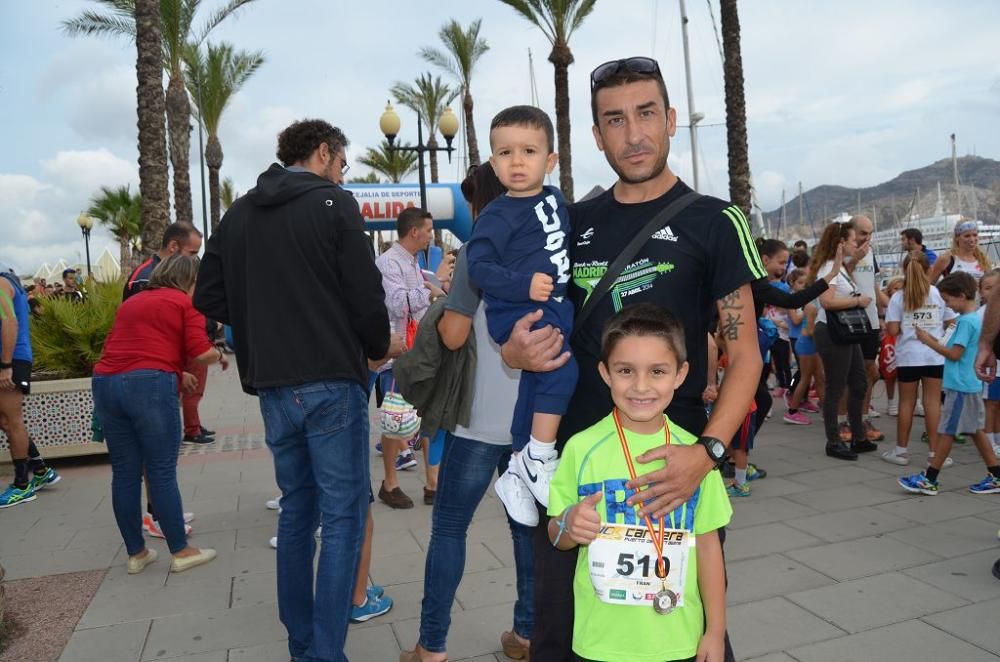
[892, 203]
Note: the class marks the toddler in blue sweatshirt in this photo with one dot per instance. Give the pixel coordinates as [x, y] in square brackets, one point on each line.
[519, 257]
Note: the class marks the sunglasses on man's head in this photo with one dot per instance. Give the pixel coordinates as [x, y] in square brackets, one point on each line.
[635, 65]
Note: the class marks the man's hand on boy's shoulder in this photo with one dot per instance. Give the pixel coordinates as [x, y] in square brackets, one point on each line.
[668, 488]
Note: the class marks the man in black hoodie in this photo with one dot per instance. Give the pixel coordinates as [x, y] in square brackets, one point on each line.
[304, 352]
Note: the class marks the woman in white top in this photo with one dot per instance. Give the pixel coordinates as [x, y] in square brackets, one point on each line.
[918, 304]
[843, 365]
[965, 254]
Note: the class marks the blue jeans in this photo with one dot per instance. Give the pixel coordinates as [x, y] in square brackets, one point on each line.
[318, 434]
[466, 470]
[140, 412]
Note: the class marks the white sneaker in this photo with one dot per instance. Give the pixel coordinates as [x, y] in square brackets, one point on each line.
[893, 409]
[273, 504]
[274, 542]
[902, 459]
[996, 450]
[516, 498]
[536, 473]
[919, 409]
[873, 413]
[188, 518]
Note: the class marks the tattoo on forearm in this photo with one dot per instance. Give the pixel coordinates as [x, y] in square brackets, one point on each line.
[731, 301]
[730, 328]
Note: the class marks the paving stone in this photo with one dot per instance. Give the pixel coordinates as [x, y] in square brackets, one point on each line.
[474, 632]
[372, 643]
[406, 599]
[847, 524]
[40, 537]
[902, 642]
[187, 634]
[947, 505]
[491, 587]
[765, 539]
[969, 576]
[390, 543]
[863, 557]
[769, 576]
[123, 602]
[55, 562]
[844, 498]
[951, 538]
[269, 652]
[256, 589]
[976, 624]
[115, 643]
[837, 475]
[774, 657]
[774, 487]
[404, 568]
[774, 625]
[872, 602]
[753, 511]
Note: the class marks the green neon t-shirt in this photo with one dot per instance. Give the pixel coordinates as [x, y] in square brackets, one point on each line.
[593, 461]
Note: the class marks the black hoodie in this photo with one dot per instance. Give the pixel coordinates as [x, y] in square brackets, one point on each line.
[291, 269]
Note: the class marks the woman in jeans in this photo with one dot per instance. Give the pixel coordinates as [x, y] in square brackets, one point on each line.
[136, 386]
[472, 455]
[843, 365]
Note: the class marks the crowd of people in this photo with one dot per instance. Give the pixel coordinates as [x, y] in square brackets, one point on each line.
[610, 362]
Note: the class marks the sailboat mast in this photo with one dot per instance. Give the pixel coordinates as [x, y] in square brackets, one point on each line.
[693, 117]
[781, 222]
[954, 167]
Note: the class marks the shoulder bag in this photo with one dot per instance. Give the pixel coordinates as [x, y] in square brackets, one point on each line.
[851, 325]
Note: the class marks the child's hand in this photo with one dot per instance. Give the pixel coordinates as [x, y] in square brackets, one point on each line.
[710, 394]
[711, 648]
[922, 335]
[584, 522]
[541, 287]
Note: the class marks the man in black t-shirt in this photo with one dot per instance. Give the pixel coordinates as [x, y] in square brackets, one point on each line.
[700, 263]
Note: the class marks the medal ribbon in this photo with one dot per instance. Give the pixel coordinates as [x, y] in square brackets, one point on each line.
[657, 541]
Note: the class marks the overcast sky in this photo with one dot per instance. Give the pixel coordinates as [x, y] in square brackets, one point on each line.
[847, 92]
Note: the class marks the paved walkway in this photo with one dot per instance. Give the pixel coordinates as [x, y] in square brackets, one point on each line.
[828, 561]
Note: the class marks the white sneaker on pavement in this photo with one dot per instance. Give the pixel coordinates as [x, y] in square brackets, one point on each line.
[919, 409]
[893, 409]
[273, 504]
[536, 473]
[274, 542]
[516, 498]
[892, 457]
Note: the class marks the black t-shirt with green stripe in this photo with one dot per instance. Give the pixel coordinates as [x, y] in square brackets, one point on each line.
[703, 254]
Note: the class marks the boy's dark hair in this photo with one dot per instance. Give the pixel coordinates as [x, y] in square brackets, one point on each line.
[409, 218]
[913, 234]
[959, 284]
[800, 259]
[536, 118]
[300, 140]
[179, 232]
[624, 77]
[801, 245]
[643, 319]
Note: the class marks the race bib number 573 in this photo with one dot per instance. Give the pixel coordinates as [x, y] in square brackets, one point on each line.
[624, 569]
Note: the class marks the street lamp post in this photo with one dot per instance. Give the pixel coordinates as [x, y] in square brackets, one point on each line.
[86, 224]
[389, 124]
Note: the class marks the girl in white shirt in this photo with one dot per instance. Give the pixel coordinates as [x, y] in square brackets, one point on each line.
[918, 304]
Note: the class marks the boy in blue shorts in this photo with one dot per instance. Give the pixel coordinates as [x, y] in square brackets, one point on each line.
[963, 409]
[644, 591]
[518, 256]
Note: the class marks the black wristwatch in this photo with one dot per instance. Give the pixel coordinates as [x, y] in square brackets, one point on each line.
[716, 449]
[6, 366]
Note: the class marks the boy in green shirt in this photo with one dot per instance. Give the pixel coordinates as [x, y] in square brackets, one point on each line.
[643, 590]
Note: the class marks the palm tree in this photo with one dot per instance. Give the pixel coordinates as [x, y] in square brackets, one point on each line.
[228, 193]
[176, 27]
[395, 164]
[217, 74]
[370, 178]
[736, 108]
[427, 97]
[121, 212]
[557, 19]
[152, 132]
[464, 48]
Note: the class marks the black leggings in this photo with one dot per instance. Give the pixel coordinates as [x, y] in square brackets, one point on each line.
[781, 354]
[844, 367]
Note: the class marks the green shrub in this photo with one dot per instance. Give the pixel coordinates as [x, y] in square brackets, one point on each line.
[67, 337]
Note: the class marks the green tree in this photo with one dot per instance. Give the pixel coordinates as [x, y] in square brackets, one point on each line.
[228, 193]
[152, 132]
[120, 211]
[176, 30]
[370, 178]
[394, 164]
[736, 107]
[218, 73]
[557, 19]
[427, 96]
[463, 48]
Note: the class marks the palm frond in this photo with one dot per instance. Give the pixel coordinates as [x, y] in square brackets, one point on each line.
[440, 60]
[536, 12]
[395, 164]
[215, 75]
[581, 10]
[221, 14]
[120, 23]
[68, 336]
[426, 96]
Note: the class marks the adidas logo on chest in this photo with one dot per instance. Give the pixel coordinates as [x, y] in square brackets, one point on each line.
[665, 234]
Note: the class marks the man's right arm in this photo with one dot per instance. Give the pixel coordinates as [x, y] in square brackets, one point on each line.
[986, 359]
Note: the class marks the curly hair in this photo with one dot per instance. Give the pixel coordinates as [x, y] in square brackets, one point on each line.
[301, 139]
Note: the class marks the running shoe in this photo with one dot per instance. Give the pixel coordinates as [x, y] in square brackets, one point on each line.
[919, 409]
[14, 495]
[996, 450]
[893, 409]
[735, 490]
[378, 448]
[152, 527]
[798, 418]
[918, 484]
[375, 592]
[536, 472]
[405, 461]
[988, 485]
[371, 608]
[809, 407]
[892, 457]
[873, 413]
[40, 481]
[273, 504]
[516, 498]
[754, 472]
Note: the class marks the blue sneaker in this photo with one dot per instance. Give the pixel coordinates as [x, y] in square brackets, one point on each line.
[371, 608]
[14, 495]
[375, 592]
[50, 477]
[918, 484]
[405, 461]
[378, 448]
[988, 485]
[735, 490]
[755, 473]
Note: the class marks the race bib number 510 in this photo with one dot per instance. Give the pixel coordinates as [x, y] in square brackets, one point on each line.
[623, 567]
